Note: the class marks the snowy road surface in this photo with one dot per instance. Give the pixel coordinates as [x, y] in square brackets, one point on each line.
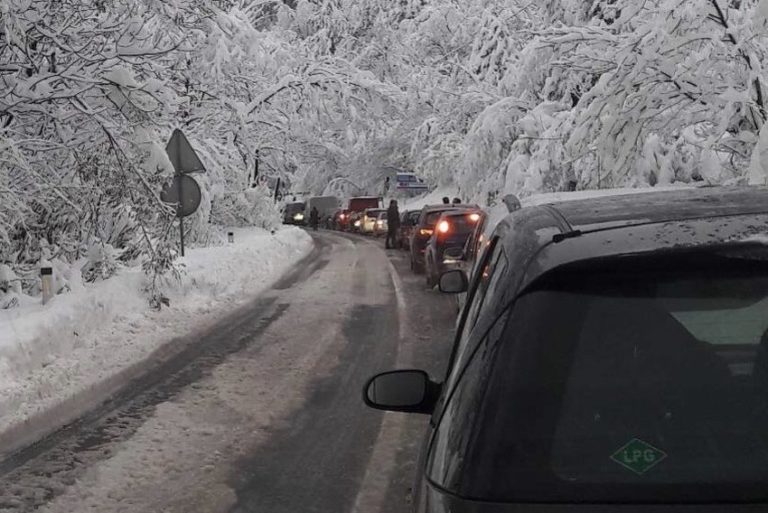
[262, 412]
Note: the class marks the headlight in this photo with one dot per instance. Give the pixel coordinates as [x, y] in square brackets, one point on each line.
[380, 223]
[298, 217]
[357, 223]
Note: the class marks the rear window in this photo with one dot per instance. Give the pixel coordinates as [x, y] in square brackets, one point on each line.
[373, 213]
[431, 217]
[463, 224]
[636, 381]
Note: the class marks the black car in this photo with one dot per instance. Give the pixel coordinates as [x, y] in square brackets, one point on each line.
[445, 249]
[423, 230]
[612, 357]
[293, 213]
[408, 221]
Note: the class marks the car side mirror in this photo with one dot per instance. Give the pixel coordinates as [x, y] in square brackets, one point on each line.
[454, 282]
[402, 390]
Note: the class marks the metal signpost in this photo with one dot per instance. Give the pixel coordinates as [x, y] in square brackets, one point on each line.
[184, 192]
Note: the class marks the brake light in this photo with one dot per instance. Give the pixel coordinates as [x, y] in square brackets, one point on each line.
[425, 231]
[474, 217]
[443, 227]
[341, 217]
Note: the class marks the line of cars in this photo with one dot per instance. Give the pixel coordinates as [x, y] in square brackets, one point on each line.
[298, 212]
[611, 356]
[437, 237]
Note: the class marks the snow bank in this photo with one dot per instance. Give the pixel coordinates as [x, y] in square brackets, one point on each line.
[51, 353]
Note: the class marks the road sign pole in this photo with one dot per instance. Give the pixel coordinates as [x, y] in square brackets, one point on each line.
[181, 217]
[181, 234]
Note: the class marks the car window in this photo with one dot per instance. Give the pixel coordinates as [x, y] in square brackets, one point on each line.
[476, 296]
[455, 425]
[487, 281]
[613, 383]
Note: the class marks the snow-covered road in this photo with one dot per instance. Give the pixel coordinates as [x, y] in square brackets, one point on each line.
[262, 412]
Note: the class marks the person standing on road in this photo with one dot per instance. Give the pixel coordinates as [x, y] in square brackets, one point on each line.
[393, 224]
[314, 218]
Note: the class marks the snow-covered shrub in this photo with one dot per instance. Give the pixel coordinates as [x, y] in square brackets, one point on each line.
[254, 207]
[103, 261]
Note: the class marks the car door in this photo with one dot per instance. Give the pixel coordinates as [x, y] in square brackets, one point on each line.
[473, 328]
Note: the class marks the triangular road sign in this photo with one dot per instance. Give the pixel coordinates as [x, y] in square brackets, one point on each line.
[181, 154]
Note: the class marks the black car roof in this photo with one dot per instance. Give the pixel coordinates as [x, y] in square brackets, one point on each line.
[443, 206]
[656, 207]
[459, 212]
[540, 238]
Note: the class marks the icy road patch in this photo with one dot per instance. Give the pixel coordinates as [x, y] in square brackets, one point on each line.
[55, 360]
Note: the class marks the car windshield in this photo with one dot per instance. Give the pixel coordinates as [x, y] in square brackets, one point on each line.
[649, 383]
[292, 208]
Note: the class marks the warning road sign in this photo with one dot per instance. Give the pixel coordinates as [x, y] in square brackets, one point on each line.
[182, 156]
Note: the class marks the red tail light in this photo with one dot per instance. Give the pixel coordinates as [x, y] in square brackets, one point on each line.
[443, 227]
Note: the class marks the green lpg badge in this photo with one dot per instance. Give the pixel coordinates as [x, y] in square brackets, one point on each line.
[638, 456]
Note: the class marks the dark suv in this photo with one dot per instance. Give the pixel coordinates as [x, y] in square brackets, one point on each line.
[612, 357]
[423, 230]
[445, 249]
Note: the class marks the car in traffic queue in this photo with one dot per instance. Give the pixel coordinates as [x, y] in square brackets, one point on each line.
[356, 222]
[445, 248]
[612, 357]
[341, 220]
[408, 220]
[293, 213]
[368, 220]
[356, 208]
[380, 226]
[423, 229]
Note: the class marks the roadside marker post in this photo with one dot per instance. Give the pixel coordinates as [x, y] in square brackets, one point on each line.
[46, 277]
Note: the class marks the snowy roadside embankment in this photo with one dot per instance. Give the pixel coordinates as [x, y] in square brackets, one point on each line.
[51, 356]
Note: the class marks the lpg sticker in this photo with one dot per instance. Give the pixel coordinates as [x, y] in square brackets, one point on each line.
[638, 456]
